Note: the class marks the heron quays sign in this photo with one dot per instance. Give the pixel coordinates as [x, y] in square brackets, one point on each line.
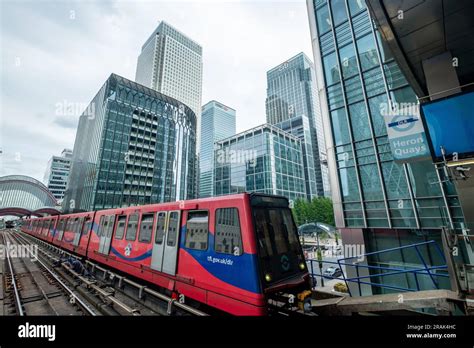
[406, 133]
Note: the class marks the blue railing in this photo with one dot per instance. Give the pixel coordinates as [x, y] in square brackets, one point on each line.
[367, 279]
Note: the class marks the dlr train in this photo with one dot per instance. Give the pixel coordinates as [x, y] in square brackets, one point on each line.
[234, 253]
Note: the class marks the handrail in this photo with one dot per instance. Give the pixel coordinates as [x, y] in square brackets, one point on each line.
[425, 269]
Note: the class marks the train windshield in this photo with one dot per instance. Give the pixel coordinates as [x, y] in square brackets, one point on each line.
[277, 238]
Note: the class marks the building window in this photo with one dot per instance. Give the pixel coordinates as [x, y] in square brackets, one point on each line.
[228, 238]
[367, 52]
[324, 22]
[359, 121]
[146, 227]
[331, 70]
[340, 127]
[377, 105]
[197, 230]
[349, 187]
[348, 61]
[370, 182]
[339, 13]
[355, 6]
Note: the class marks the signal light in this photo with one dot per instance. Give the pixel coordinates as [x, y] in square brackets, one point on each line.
[268, 277]
[302, 266]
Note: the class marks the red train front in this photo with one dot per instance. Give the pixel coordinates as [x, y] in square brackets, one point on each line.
[233, 253]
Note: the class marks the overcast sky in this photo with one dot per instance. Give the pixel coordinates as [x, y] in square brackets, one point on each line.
[58, 54]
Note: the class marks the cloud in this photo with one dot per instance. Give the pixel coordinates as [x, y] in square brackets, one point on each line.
[61, 52]
[66, 122]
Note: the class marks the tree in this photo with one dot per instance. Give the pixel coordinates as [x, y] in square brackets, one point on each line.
[319, 209]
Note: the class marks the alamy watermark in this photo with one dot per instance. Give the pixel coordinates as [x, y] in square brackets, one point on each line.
[399, 109]
[18, 251]
[354, 251]
[68, 108]
[229, 156]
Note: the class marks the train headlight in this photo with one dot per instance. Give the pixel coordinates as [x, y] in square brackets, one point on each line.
[268, 277]
[302, 266]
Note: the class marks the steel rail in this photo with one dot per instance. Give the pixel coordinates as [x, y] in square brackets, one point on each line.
[16, 293]
[63, 285]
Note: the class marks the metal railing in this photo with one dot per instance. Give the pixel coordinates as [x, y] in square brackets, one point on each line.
[381, 271]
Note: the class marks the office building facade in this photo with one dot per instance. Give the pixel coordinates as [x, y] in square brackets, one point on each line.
[133, 146]
[378, 202]
[292, 104]
[57, 173]
[263, 159]
[171, 63]
[217, 122]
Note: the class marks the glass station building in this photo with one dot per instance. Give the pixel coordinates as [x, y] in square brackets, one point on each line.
[263, 159]
[378, 202]
[133, 146]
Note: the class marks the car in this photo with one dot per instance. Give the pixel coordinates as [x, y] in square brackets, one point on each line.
[332, 272]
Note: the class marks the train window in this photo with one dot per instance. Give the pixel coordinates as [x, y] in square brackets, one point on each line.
[228, 239]
[110, 226]
[75, 225]
[87, 226]
[280, 231]
[120, 226]
[197, 230]
[60, 226]
[132, 227]
[69, 225]
[146, 227]
[173, 226]
[51, 225]
[45, 227]
[101, 226]
[160, 227]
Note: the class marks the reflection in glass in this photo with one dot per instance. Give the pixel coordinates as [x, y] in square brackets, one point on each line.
[322, 17]
[348, 61]
[339, 126]
[339, 13]
[331, 70]
[367, 52]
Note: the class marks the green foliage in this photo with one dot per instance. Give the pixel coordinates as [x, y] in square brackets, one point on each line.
[318, 210]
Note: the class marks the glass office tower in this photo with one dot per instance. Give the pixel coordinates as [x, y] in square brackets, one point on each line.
[262, 159]
[377, 202]
[217, 122]
[171, 63]
[133, 146]
[292, 105]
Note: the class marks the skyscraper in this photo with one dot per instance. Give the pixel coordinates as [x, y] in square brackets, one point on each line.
[171, 63]
[57, 173]
[378, 202]
[292, 105]
[133, 146]
[217, 122]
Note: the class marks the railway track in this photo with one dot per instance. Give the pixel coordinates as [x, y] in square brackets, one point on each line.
[123, 295]
[34, 288]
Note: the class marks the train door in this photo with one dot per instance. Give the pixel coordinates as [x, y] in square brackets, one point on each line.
[165, 247]
[106, 229]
